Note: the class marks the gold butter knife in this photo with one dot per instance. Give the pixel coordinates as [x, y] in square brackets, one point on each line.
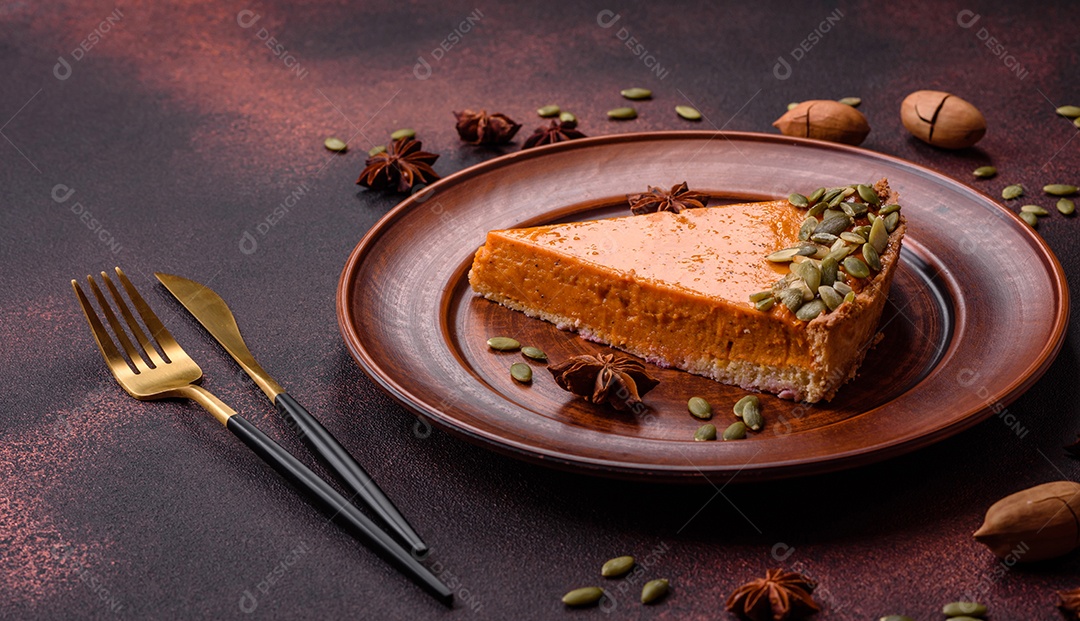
[213, 313]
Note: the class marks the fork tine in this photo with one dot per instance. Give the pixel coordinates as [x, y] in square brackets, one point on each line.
[148, 347]
[157, 330]
[118, 330]
[101, 336]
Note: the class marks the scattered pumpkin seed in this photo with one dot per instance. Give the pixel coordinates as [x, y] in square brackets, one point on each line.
[567, 117]
[832, 213]
[848, 190]
[335, 144]
[856, 267]
[984, 172]
[534, 353]
[807, 228]
[871, 256]
[654, 590]
[617, 566]
[699, 408]
[870, 217]
[548, 111]
[705, 433]
[403, 133]
[879, 235]
[815, 196]
[830, 296]
[740, 405]
[1066, 206]
[798, 200]
[735, 431]
[852, 238]
[585, 596]
[1035, 209]
[636, 93]
[818, 209]
[521, 372]
[1069, 112]
[862, 231]
[791, 298]
[688, 113]
[765, 305]
[810, 310]
[842, 288]
[888, 209]
[829, 268]
[1012, 191]
[892, 221]
[1059, 189]
[1030, 218]
[793, 105]
[971, 609]
[868, 194]
[1076, 121]
[622, 114]
[752, 417]
[376, 150]
[851, 101]
[503, 343]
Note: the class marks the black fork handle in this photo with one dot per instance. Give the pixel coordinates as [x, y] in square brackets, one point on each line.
[339, 509]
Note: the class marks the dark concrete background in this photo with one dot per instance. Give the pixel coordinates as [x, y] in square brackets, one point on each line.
[179, 131]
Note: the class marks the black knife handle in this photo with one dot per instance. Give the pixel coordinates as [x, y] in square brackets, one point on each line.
[340, 461]
[337, 506]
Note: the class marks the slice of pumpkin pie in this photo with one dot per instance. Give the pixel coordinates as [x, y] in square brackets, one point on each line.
[780, 296]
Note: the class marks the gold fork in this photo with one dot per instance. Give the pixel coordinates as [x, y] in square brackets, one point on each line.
[166, 370]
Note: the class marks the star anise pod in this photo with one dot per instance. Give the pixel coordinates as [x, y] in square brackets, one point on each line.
[402, 164]
[1069, 604]
[483, 128]
[1074, 449]
[611, 378]
[657, 199]
[779, 596]
[557, 131]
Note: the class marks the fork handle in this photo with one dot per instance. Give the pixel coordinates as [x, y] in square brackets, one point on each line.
[326, 446]
[340, 509]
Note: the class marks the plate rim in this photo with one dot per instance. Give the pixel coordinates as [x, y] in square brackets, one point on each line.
[602, 467]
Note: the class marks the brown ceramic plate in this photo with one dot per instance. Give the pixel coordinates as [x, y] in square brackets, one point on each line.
[977, 312]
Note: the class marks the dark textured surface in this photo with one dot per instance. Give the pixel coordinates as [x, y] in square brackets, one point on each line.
[179, 131]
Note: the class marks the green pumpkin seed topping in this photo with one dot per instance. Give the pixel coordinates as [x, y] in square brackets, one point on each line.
[843, 236]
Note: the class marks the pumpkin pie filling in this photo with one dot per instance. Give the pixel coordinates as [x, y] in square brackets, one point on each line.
[674, 289]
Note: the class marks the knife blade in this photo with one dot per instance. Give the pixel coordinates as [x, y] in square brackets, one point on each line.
[214, 314]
